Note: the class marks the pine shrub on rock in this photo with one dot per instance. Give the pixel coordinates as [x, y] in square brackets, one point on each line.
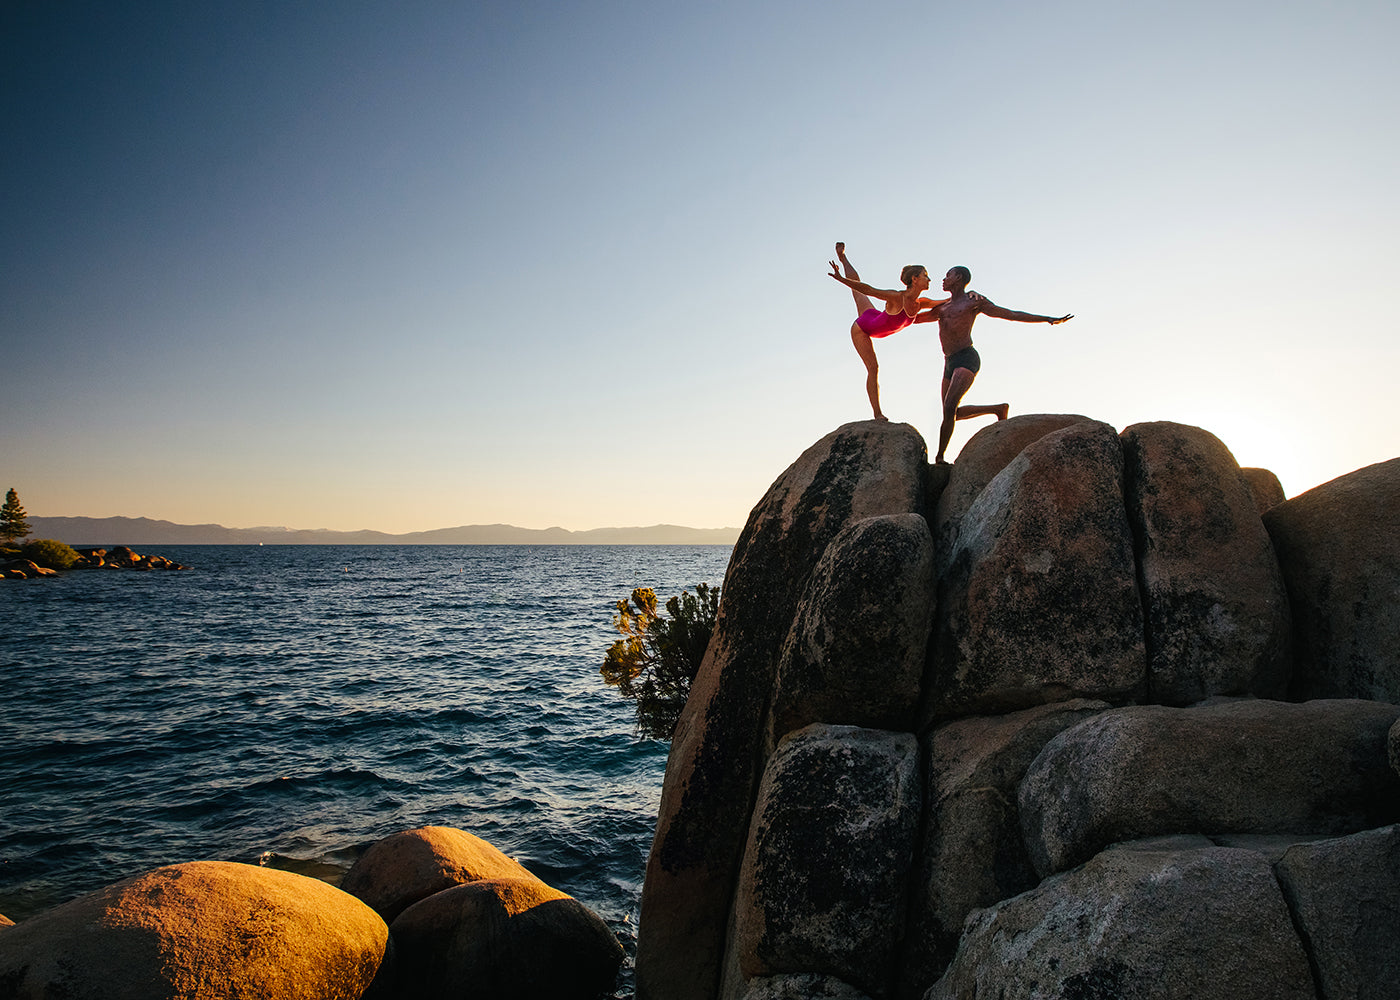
[657, 658]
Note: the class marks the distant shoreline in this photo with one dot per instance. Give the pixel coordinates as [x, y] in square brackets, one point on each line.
[109, 531]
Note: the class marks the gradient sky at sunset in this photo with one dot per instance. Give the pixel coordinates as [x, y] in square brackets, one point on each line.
[412, 265]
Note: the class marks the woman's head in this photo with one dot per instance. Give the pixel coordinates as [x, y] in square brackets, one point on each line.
[910, 272]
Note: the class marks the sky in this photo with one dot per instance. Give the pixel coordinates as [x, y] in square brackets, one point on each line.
[340, 264]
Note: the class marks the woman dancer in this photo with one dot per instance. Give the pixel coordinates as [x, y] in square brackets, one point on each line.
[900, 309]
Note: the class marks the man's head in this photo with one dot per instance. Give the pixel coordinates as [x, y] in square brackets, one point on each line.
[911, 273]
[956, 279]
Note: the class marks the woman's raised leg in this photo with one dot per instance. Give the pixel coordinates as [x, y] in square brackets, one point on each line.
[863, 303]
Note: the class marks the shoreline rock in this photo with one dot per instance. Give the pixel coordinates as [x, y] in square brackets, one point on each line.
[221, 928]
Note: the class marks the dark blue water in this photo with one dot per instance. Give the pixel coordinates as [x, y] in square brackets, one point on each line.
[290, 705]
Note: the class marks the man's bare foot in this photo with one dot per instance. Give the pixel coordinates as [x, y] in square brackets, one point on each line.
[841, 252]
[940, 460]
[1002, 410]
[880, 418]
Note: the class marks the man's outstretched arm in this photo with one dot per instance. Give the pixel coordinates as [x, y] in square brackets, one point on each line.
[991, 309]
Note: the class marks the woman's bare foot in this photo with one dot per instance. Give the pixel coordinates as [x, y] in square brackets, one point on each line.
[880, 418]
[1002, 410]
[841, 252]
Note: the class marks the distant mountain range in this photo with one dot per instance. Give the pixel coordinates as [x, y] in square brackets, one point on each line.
[109, 531]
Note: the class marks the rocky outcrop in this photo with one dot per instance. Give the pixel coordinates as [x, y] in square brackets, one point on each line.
[179, 931]
[1089, 826]
[122, 557]
[1183, 920]
[858, 471]
[1338, 546]
[1217, 618]
[24, 569]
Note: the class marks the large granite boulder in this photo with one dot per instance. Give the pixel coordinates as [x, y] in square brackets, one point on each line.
[207, 928]
[972, 852]
[1345, 898]
[986, 453]
[396, 872]
[858, 471]
[856, 652]
[827, 861]
[1264, 488]
[1339, 549]
[1228, 766]
[1217, 614]
[1039, 599]
[504, 938]
[1150, 921]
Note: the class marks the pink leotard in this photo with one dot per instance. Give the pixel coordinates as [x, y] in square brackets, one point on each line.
[878, 323]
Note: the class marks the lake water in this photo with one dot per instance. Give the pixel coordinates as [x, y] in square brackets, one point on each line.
[290, 705]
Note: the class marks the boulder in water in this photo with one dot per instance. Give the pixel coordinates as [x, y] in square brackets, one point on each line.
[396, 872]
[206, 928]
[505, 938]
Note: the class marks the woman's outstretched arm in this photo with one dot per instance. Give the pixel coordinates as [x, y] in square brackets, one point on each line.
[860, 286]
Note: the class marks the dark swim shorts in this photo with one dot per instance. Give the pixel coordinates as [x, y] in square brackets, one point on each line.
[966, 358]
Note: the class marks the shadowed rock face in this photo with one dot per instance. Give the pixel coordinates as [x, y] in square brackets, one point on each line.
[176, 931]
[1171, 920]
[1264, 488]
[860, 470]
[1345, 897]
[508, 937]
[828, 856]
[1038, 601]
[972, 854]
[1232, 766]
[1217, 618]
[855, 655]
[1339, 549]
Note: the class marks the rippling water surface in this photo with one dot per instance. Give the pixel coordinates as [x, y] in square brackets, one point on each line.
[290, 705]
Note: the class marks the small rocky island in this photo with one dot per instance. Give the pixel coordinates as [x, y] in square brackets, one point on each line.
[120, 557]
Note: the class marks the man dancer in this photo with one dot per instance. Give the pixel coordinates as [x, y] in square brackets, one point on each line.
[961, 361]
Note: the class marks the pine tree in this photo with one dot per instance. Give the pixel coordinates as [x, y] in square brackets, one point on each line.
[12, 518]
